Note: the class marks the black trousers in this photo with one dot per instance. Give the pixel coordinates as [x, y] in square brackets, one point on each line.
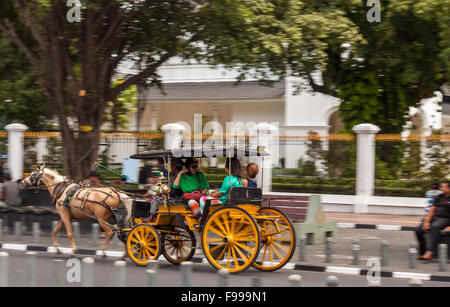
[436, 225]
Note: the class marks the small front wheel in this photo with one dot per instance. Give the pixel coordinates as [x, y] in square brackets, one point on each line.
[143, 244]
[178, 246]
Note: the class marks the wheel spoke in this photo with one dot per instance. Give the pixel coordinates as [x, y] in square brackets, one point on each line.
[277, 253]
[218, 223]
[236, 261]
[264, 254]
[248, 249]
[226, 223]
[216, 231]
[241, 254]
[216, 247]
[283, 248]
[221, 254]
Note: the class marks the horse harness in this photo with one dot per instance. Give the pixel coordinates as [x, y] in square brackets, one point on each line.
[74, 193]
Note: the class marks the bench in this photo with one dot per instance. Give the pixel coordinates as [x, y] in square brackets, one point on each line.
[306, 214]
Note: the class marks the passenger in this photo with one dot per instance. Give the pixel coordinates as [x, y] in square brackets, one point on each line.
[161, 167]
[176, 166]
[154, 200]
[252, 172]
[233, 180]
[193, 184]
[152, 181]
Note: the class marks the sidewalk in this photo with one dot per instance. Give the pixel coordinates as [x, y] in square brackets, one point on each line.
[373, 219]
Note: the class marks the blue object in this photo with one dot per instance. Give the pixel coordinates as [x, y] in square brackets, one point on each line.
[251, 183]
[130, 169]
[4, 156]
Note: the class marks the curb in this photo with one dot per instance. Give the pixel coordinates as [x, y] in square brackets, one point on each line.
[379, 227]
[288, 266]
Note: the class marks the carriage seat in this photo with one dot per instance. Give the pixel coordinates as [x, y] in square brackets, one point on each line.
[243, 195]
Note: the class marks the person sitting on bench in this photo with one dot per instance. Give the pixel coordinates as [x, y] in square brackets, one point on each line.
[438, 218]
[233, 180]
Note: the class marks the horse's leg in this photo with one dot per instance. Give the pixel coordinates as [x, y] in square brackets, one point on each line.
[55, 235]
[65, 215]
[109, 234]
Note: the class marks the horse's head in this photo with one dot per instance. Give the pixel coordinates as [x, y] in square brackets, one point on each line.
[34, 179]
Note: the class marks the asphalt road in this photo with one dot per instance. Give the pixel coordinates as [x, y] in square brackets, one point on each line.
[51, 271]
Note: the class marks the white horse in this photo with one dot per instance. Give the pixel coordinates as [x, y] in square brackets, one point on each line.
[94, 204]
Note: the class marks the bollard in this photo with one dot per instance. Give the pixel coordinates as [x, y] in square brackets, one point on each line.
[151, 278]
[256, 282]
[58, 272]
[442, 254]
[17, 231]
[121, 273]
[384, 251]
[374, 284]
[94, 232]
[153, 265]
[412, 254]
[87, 277]
[302, 246]
[36, 232]
[222, 278]
[295, 280]
[415, 282]
[76, 232]
[1, 230]
[186, 273]
[328, 252]
[31, 269]
[332, 281]
[356, 248]
[4, 268]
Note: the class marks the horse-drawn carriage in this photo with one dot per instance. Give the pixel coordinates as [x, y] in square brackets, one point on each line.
[234, 236]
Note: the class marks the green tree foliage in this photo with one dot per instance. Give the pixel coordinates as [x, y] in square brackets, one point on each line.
[397, 67]
[21, 100]
[119, 111]
[75, 63]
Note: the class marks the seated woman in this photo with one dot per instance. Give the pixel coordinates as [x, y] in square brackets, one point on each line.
[233, 180]
[193, 184]
[252, 172]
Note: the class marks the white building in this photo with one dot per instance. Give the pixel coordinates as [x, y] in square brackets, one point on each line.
[211, 91]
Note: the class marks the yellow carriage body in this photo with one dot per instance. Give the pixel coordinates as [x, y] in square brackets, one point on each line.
[234, 236]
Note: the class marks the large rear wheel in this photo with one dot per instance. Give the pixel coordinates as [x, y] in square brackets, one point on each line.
[231, 239]
[277, 237]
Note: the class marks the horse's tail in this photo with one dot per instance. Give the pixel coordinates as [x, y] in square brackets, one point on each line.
[127, 202]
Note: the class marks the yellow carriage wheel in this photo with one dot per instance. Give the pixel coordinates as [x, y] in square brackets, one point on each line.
[178, 246]
[231, 239]
[143, 244]
[278, 239]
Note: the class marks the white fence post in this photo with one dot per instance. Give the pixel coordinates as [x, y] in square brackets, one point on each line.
[365, 165]
[15, 150]
[172, 135]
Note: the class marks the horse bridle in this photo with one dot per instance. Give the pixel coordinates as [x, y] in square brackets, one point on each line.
[35, 179]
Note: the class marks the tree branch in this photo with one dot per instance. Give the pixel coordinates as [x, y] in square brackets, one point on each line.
[140, 76]
[12, 35]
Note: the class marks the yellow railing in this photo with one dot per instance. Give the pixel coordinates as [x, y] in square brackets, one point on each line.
[330, 137]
